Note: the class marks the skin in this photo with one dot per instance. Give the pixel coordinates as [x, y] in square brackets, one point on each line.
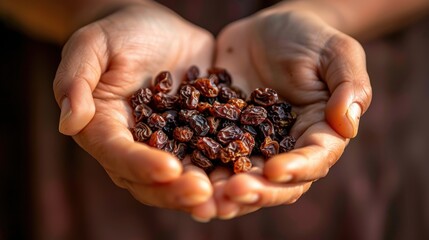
[303, 49]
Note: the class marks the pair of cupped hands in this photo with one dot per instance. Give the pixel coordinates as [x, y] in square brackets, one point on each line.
[315, 67]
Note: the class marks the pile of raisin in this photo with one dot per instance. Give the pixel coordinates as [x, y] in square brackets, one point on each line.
[211, 120]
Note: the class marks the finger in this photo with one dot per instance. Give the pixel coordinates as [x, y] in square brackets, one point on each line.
[344, 70]
[226, 209]
[205, 211]
[119, 154]
[315, 152]
[255, 190]
[191, 189]
[77, 75]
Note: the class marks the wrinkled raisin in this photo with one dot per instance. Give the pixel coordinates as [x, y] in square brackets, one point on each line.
[163, 82]
[242, 164]
[201, 161]
[264, 96]
[287, 144]
[183, 134]
[141, 132]
[209, 147]
[253, 115]
[143, 95]
[269, 147]
[206, 87]
[188, 97]
[228, 134]
[158, 139]
[199, 124]
[226, 110]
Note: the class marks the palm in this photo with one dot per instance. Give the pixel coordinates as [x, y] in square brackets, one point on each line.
[112, 58]
[295, 54]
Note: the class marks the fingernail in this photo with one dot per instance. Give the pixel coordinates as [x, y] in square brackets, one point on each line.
[65, 112]
[353, 114]
[194, 199]
[247, 198]
[201, 220]
[230, 215]
[284, 178]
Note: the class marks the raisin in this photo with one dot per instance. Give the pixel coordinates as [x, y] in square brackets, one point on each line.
[180, 150]
[287, 144]
[142, 112]
[143, 95]
[266, 129]
[158, 139]
[269, 147]
[162, 101]
[183, 134]
[163, 82]
[141, 132]
[199, 124]
[242, 164]
[253, 115]
[248, 139]
[201, 161]
[226, 110]
[156, 121]
[192, 73]
[209, 147]
[238, 102]
[213, 124]
[185, 115]
[228, 134]
[188, 97]
[206, 87]
[264, 96]
[235, 149]
[222, 74]
[226, 93]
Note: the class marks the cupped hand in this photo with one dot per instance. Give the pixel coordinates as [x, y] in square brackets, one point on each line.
[316, 68]
[102, 65]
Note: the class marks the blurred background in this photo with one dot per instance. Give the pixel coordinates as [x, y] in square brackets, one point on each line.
[51, 189]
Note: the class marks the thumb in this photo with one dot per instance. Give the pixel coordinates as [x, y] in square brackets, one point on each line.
[77, 76]
[344, 70]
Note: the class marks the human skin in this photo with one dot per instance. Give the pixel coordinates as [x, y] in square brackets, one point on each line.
[102, 65]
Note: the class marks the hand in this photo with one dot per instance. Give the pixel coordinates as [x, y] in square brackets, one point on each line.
[316, 68]
[102, 65]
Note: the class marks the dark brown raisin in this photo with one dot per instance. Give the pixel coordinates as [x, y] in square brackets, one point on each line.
[180, 150]
[204, 107]
[226, 110]
[209, 147]
[287, 144]
[222, 74]
[228, 134]
[142, 112]
[185, 115]
[199, 160]
[141, 132]
[249, 129]
[156, 121]
[213, 124]
[266, 129]
[158, 139]
[226, 93]
[192, 73]
[206, 87]
[162, 101]
[143, 95]
[269, 147]
[163, 82]
[183, 134]
[188, 97]
[253, 115]
[199, 124]
[264, 96]
[171, 117]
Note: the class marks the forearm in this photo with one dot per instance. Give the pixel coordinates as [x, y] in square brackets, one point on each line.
[55, 20]
[363, 19]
